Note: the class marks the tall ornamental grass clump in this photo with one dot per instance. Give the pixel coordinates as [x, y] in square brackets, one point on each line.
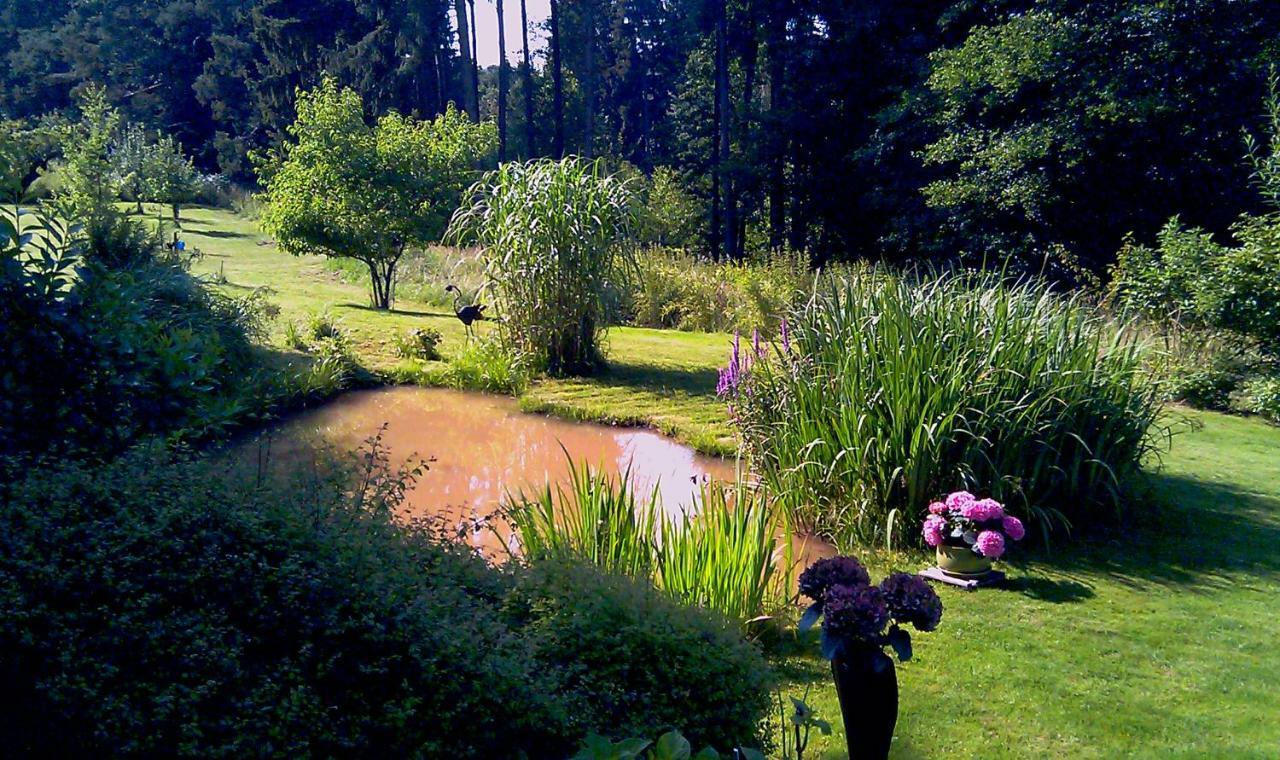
[888, 391]
[557, 241]
[725, 557]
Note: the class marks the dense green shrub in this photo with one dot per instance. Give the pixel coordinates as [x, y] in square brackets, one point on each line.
[892, 390]
[164, 609]
[99, 355]
[673, 290]
[1193, 280]
[1260, 395]
[630, 660]
[169, 608]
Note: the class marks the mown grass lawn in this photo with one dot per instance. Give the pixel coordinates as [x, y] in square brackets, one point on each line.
[1158, 641]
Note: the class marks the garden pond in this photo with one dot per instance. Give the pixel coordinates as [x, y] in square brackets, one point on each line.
[481, 447]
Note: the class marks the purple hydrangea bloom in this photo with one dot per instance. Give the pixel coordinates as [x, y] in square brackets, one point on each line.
[854, 612]
[1013, 528]
[937, 508]
[834, 571]
[912, 600]
[989, 544]
[934, 527]
[958, 500]
[982, 510]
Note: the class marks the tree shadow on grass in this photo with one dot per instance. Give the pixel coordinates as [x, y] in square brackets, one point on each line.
[1045, 589]
[695, 382]
[223, 234]
[400, 312]
[1197, 536]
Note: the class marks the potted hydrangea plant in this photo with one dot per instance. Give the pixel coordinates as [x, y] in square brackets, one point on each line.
[969, 533]
[858, 621]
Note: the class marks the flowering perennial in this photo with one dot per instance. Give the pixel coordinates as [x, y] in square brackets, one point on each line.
[854, 611]
[963, 520]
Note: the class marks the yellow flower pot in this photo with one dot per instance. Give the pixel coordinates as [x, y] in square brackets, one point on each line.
[962, 562]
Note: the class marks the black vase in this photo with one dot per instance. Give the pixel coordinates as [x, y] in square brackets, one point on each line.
[867, 686]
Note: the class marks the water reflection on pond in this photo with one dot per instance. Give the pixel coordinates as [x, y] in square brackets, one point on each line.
[484, 447]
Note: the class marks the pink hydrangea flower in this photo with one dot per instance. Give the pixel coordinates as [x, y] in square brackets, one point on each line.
[982, 510]
[934, 525]
[958, 500]
[990, 544]
[937, 508]
[1013, 528]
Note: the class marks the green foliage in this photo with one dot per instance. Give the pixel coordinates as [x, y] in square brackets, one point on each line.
[1190, 279]
[670, 216]
[100, 356]
[342, 188]
[597, 520]
[635, 662]
[488, 364]
[670, 746]
[170, 609]
[1056, 127]
[673, 290]
[1260, 395]
[722, 558]
[897, 389]
[421, 343]
[89, 190]
[556, 235]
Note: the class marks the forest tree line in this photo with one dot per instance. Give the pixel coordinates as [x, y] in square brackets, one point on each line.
[1016, 131]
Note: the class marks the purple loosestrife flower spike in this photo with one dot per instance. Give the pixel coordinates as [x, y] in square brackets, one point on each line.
[786, 337]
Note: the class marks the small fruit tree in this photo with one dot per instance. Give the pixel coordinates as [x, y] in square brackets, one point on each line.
[343, 188]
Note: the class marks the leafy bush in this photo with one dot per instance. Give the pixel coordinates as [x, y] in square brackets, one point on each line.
[635, 662]
[670, 216]
[1261, 396]
[419, 343]
[889, 390]
[673, 290]
[1193, 280]
[487, 364]
[161, 607]
[102, 355]
[164, 609]
[556, 238]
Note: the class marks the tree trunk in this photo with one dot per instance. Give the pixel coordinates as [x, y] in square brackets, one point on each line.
[722, 220]
[750, 57]
[530, 143]
[475, 61]
[775, 45]
[464, 52]
[589, 80]
[502, 86]
[557, 82]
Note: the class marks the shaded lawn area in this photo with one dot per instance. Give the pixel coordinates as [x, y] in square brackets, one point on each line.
[1153, 642]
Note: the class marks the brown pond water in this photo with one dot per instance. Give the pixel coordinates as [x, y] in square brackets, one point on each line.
[484, 447]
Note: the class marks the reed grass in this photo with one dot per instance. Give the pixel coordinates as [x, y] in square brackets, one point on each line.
[724, 557]
[598, 519]
[898, 389]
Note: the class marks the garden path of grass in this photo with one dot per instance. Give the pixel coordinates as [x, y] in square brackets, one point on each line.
[1158, 642]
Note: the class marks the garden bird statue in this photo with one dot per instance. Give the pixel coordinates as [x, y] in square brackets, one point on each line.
[466, 314]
